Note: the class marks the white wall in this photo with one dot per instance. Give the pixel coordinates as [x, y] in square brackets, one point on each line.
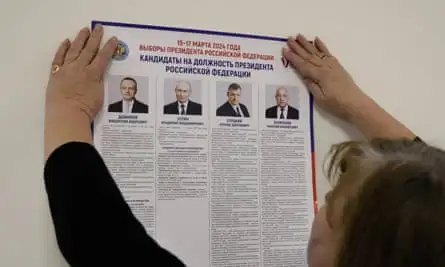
[394, 49]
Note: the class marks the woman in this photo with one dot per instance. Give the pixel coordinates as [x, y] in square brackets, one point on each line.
[387, 207]
[95, 227]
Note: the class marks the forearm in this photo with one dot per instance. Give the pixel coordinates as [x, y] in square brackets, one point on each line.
[94, 225]
[63, 125]
[374, 122]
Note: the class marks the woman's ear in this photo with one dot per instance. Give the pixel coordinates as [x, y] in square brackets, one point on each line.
[321, 247]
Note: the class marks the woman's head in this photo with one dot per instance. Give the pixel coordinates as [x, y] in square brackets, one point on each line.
[387, 207]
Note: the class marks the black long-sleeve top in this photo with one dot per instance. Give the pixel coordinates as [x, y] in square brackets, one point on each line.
[94, 226]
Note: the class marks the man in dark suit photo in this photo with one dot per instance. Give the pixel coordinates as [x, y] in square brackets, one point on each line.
[282, 110]
[183, 105]
[232, 107]
[129, 103]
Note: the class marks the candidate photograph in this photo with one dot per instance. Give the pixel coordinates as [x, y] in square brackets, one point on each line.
[281, 110]
[233, 107]
[182, 105]
[128, 102]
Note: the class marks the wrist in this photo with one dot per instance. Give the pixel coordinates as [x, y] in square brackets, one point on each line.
[66, 111]
[64, 124]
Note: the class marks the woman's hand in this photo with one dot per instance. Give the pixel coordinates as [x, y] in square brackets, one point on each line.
[330, 84]
[76, 81]
[75, 91]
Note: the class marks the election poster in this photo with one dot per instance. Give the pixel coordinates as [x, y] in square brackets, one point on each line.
[209, 136]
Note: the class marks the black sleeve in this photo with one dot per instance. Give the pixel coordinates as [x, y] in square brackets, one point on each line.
[94, 225]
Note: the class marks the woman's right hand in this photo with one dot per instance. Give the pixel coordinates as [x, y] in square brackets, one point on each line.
[330, 84]
[78, 82]
[75, 91]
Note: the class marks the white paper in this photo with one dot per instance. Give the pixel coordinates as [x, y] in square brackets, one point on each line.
[214, 190]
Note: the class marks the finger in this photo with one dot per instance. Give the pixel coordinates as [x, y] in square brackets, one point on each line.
[100, 62]
[77, 45]
[92, 46]
[303, 66]
[321, 46]
[297, 48]
[310, 48]
[313, 88]
[59, 57]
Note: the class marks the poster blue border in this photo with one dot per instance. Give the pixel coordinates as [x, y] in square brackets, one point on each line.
[188, 30]
[208, 32]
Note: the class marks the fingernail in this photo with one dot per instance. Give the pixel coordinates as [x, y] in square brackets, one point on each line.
[98, 28]
[285, 50]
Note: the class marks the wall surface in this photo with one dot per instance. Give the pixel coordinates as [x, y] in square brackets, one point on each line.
[393, 48]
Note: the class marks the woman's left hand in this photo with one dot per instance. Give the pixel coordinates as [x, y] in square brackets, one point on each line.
[328, 81]
[78, 71]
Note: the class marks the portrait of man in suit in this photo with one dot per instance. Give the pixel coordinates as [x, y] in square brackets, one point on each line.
[282, 110]
[232, 107]
[128, 103]
[183, 105]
